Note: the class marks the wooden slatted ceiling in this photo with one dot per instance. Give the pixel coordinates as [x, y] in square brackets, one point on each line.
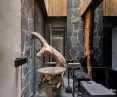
[110, 7]
[56, 7]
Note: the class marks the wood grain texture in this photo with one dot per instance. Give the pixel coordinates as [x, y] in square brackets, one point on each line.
[88, 28]
[110, 7]
[84, 5]
[88, 25]
[56, 7]
[52, 70]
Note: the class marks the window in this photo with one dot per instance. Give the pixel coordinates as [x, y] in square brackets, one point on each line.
[57, 40]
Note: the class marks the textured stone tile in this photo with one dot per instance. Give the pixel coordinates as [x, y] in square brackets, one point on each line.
[25, 69]
[75, 3]
[76, 25]
[81, 25]
[27, 26]
[74, 39]
[98, 34]
[30, 25]
[69, 4]
[75, 13]
[74, 33]
[73, 53]
[24, 81]
[25, 92]
[24, 23]
[30, 64]
[81, 37]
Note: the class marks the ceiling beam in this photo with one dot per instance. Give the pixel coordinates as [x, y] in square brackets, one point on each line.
[85, 4]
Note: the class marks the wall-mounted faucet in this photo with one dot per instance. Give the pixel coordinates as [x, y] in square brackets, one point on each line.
[20, 61]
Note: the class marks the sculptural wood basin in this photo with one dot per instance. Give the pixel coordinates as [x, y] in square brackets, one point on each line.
[51, 77]
[52, 70]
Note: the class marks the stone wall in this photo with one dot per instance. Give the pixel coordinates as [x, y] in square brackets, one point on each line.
[39, 24]
[27, 26]
[98, 35]
[75, 34]
[32, 20]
